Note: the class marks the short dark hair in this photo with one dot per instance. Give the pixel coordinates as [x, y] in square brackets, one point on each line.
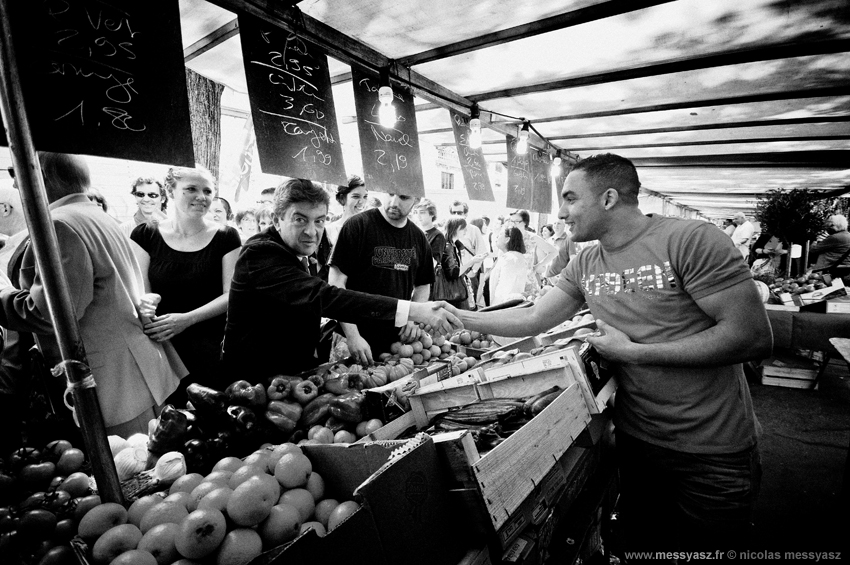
[429, 207]
[245, 212]
[98, 198]
[150, 180]
[342, 190]
[297, 191]
[524, 216]
[269, 190]
[515, 240]
[550, 227]
[227, 208]
[64, 174]
[461, 203]
[477, 222]
[454, 225]
[486, 219]
[607, 170]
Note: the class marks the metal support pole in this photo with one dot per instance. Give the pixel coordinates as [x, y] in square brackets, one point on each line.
[43, 240]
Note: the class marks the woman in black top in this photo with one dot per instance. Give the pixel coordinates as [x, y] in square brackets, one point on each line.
[188, 259]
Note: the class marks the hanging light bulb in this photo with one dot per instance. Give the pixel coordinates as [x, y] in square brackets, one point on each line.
[386, 112]
[555, 170]
[475, 128]
[522, 143]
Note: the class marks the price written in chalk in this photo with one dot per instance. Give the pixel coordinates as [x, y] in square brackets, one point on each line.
[92, 73]
[519, 176]
[472, 163]
[291, 97]
[390, 155]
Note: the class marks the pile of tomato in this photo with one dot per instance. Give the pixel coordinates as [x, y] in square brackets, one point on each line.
[43, 495]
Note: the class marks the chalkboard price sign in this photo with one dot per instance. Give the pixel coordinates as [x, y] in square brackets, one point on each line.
[292, 103]
[391, 159]
[472, 162]
[104, 77]
[519, 177]
[541, 200]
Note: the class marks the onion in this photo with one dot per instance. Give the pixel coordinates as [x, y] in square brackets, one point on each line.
[130, 461]
[170, 467]
[138, 440]
[117, 444]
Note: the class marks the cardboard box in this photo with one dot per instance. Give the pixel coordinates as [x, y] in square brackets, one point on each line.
[404, 508]
[806, 300]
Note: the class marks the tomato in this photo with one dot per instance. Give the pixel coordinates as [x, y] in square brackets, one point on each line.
[23, 456]
[37, 524]
[35, 500]
[55, 449]
[41, 549]
[70, 461]
[55, 483]
[59, 555]
[56, 500]
[65, 530]
[77, 484]
[37, 473]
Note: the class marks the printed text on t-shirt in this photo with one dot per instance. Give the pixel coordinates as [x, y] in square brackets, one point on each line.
[392, 258]
[644, 279]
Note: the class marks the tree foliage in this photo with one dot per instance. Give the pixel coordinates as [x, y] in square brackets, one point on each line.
[794, 216]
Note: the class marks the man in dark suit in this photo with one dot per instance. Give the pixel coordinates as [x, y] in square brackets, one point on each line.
[276, 304]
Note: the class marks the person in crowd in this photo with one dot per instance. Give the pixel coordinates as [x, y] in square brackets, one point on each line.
[353, 198]
[266, 197]
[98, 198]
[566, 250]
[271, 277]
[220, 211]
[509, 274]
[246, 223]
[538, 252]
[380, 252]
[677, 313]
[456, 229]
[832, 251]
[474, 243]
[426, 216]
[188, 259]
[374, 202]
[729, 226]
[743, 234]
[15, 370]
[547, 232]
[151, 202]
[494, 232]
[265, 218]
[134, 374]
[485, 229]
[768, 256]
[479, 223]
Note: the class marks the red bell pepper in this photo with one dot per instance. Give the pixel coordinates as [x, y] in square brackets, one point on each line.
[284, 414]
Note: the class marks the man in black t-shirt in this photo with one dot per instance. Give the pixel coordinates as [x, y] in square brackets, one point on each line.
[380, 252]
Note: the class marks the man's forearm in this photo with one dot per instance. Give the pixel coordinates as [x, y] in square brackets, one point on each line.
[350, 330]
[715, 346]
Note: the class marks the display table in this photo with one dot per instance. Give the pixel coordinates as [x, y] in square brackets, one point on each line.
[807, 330]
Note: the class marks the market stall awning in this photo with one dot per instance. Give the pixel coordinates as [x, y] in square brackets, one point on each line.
[716, 102]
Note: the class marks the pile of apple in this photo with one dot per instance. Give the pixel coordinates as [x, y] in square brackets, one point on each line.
[227, 517]
[800, 285]
[472, 339]
[419, 351]
[43, 495]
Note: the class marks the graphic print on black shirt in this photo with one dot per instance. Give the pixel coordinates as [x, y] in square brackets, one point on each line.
[391, 258]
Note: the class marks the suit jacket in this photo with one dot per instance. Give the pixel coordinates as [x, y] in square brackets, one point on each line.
[275, 309]
[133, 373]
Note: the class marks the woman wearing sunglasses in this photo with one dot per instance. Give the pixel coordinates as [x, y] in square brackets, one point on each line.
[151, 201]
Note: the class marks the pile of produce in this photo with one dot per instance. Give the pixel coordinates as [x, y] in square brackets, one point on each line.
[493, 420]
[472, 339]
[320, 408]
[419, 350]
[227, 516]
[800, 285]
[44, 494]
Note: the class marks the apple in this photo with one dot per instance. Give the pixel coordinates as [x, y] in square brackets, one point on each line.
[201, 532]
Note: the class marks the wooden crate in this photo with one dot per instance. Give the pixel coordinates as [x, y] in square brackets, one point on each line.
[524, 345]
[551, 337]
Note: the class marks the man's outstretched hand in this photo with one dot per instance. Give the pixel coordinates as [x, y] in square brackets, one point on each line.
[436, 314]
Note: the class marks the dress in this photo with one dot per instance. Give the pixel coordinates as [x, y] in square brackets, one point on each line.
[270, 278]
[133, 373]
[508, 277]
[379, 258]
[187, 280]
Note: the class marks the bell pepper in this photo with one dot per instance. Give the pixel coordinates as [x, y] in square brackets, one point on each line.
[279, 388]
[338, 384]
[334, 424]
[317, 410]
[244, 393]
[197, 455]
[283, 414]
[207, 401]
[243, 419]
[304, 392]
[348, 407]
[173, 428]
[317, 380]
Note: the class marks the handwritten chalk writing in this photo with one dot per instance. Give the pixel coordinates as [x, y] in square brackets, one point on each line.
[396, 162]
[382, 135]
[120, 118]
[71, 111]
